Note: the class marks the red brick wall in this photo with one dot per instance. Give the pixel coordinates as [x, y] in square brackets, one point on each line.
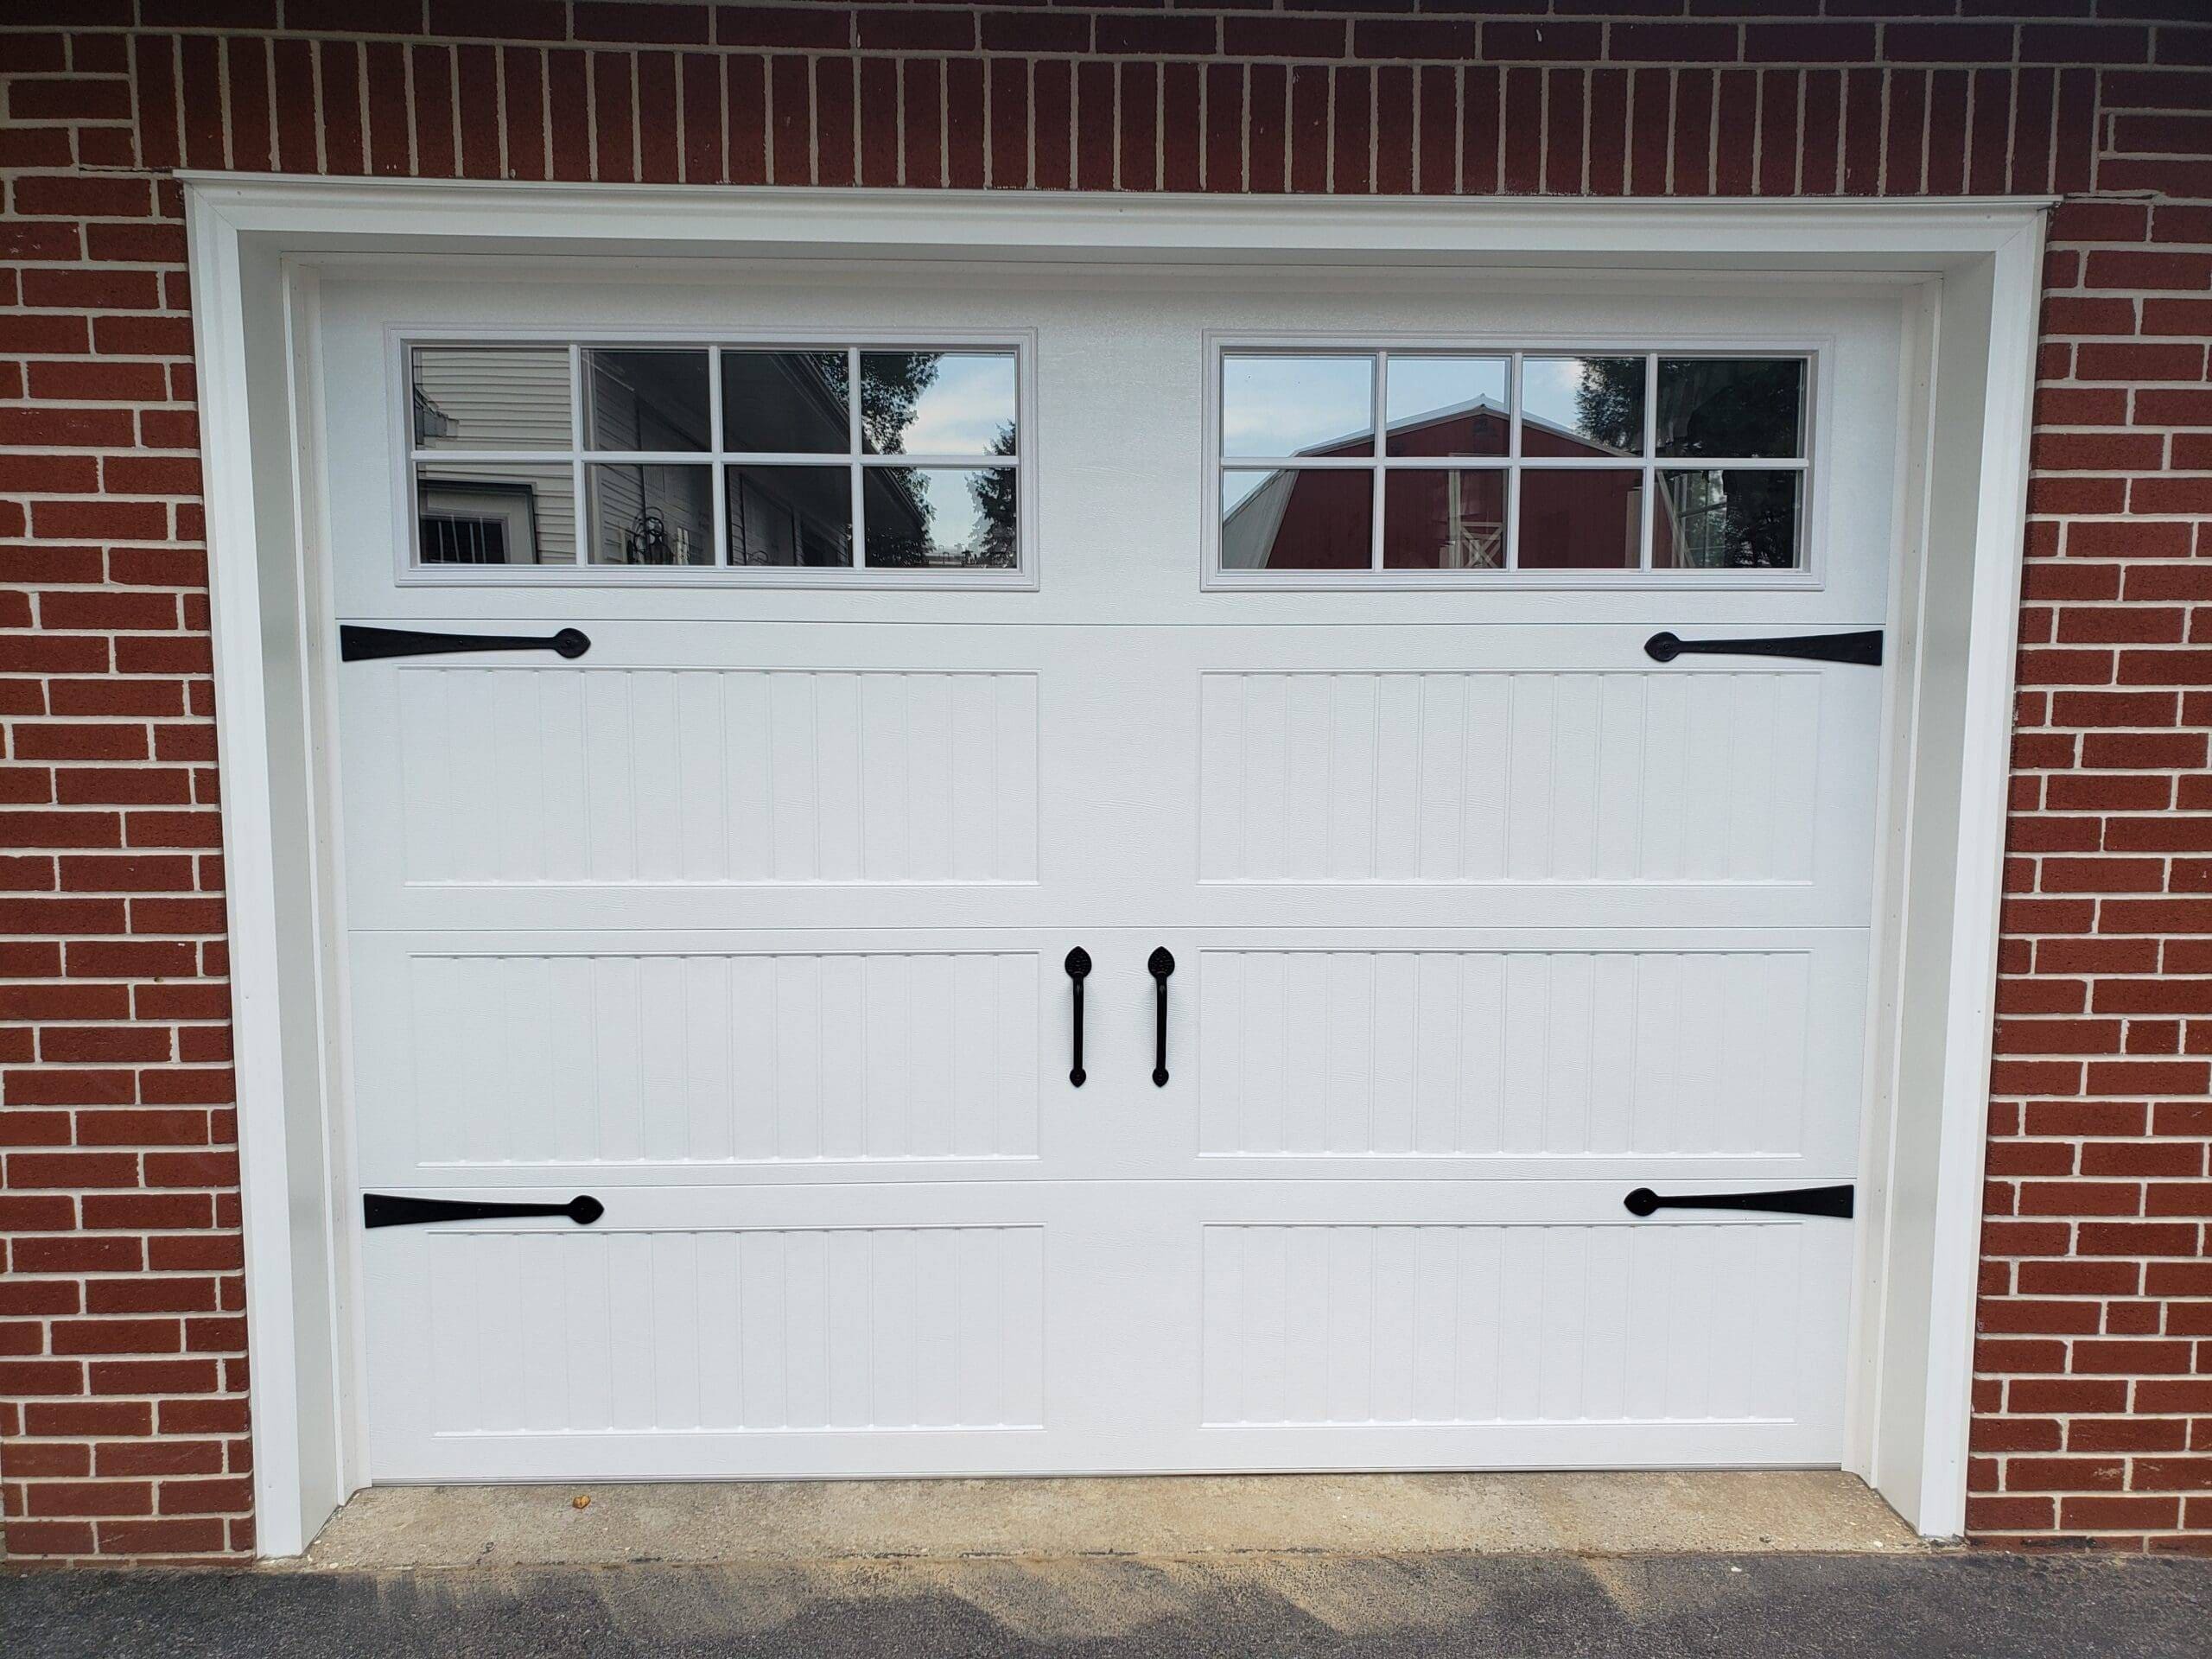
[122, 1369]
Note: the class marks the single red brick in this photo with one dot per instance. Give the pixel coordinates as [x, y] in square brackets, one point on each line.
[2064, 1474]
[202, 1497]
[2094, 1514]
[173, 1536]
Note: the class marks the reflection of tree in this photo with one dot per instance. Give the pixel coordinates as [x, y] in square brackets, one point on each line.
[899, 514]
[892, 384]
[1726, 408]
[1730, 409]
[1736, 518]
[993, 490]
[1609, 403]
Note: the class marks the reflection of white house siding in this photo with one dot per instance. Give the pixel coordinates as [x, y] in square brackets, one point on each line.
[495, 399]
[682, 495]
[634, 407]
[487, 398]
[1247, 532]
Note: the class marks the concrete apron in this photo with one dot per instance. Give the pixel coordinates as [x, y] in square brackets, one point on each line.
[800, 1523]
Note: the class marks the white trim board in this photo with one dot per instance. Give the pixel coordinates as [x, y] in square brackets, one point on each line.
[1973, 266]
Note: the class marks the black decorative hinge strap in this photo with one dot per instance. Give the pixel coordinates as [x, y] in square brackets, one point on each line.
[1792, 1201]
[358, 643]
[1864, 646]
[386, 1210]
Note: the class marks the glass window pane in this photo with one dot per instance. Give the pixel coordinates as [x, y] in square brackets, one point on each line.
[1441, 520]
[1582, 406]
[1277, 407]
[1298, 519]
[1732, 519]
[936, 402]
[491, 398]
[786, 402]
[1446, 405]
[790, 515]
[939, 517]
[1584, 519]
[650, 514]
[495, 512]
[648, 400]
[1731, 408]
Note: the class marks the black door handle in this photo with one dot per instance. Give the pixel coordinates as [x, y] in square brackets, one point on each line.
[1864, 646]
[1792, 1201]
[1162, 964]
[384, 1210]
[1078, 967]
[358, 643]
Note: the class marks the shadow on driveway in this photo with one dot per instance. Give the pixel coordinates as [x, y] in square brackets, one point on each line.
[1109, 1607]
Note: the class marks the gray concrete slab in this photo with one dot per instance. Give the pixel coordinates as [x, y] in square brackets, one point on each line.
[804, 1521]
[1772, 1606]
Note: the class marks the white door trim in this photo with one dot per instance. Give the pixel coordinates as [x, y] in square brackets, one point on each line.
[1974, 264]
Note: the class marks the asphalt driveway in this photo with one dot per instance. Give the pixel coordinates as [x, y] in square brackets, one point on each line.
[1109, 1607]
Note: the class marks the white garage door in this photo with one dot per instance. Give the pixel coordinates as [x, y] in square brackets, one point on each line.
[942, 626]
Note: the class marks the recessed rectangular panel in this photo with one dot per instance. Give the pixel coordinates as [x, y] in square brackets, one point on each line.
[542, 1332]
[1345, 1325]
[534, 775]
[1506, 1053]
[758, 1058]
[1541, 777]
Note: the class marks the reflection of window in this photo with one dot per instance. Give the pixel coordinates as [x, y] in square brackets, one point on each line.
[1509, 461]
[834, 459]
[509, 512]
[480, 523]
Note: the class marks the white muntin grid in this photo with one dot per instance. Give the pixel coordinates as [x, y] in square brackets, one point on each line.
[717, 459]
[1513, 465]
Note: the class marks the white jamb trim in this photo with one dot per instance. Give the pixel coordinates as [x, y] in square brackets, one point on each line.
[1976, 260]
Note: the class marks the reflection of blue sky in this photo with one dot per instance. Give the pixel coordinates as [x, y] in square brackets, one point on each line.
[1414, 386]
[1236, 488]
[1281, 405]
[1548, 390]
[954, 522]
[965, 408]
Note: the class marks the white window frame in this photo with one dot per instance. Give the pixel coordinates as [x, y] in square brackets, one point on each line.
[1810, 574]
[409, 570]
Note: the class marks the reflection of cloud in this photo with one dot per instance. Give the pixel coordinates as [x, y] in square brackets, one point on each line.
[1415, 387]
[964, 411]
[950, 505]
[1548, 390]
[1281, 405]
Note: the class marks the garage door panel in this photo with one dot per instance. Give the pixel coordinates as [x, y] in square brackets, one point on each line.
[1570, 1047]
[1103, 1326]
[596, 775]
[1450, 776]
[669, 1331]
[1320, 1324]
[542, 1053]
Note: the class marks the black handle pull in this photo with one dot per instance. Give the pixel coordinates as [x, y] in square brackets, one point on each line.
[1161, 965]
[384, 1210]
[360, 644]
[1078, 967]
[1864, 646]
[1794, 1201]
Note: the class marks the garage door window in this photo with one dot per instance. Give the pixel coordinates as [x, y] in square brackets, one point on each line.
[1557, 464]
[839, 463]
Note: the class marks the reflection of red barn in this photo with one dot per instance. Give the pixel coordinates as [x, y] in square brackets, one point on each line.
[1445, 519]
